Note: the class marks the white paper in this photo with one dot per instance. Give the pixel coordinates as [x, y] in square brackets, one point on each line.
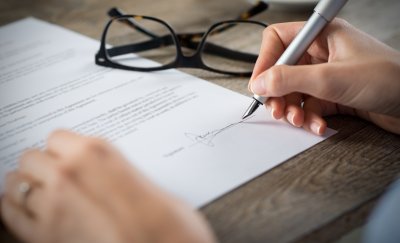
[186, 134]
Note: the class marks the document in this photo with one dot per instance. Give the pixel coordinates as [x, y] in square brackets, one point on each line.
[185, 133]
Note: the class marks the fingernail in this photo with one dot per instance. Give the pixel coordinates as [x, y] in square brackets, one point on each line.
[290, 117]
[316, 128]
[273, 113]
[249, 86]
[257, 86]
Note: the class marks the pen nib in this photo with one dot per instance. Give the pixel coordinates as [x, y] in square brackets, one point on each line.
[252, 108]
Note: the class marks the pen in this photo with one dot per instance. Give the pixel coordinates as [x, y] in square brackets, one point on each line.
[324, 12]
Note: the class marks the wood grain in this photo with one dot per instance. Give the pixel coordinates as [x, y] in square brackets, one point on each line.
[317, 195]
[312, 189]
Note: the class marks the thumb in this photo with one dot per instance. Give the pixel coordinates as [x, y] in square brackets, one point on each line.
[318, 80]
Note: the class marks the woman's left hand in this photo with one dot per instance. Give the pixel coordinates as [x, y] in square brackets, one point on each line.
[81, 189]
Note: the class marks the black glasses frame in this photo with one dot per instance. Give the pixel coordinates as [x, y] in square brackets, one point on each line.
[194, 41]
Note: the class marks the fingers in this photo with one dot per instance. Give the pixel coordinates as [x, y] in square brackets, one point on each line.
[323, 81]
[38, 166]
[313, 120]
[23, 201]
[81, 155]
[31, 203]
[334, 82]
[276, 38]
[294, 113]
[309, 116]
[310, 113]
[277, 82]
[288, 107]
[17, 221]
[90, 161]
[70, 147]
[17, 208]
[277, 106]
[12, 191]
[64, 144]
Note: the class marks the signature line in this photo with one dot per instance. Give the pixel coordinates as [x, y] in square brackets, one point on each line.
[208, 137]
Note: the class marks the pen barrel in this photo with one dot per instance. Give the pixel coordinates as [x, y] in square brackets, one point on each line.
[303, 40]
[329, 8]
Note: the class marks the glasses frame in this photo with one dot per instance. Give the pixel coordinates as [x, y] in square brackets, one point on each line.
[195, 41]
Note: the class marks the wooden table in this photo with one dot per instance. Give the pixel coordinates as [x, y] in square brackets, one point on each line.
[318, 195]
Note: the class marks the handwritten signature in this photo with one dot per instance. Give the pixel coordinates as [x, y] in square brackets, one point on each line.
[208, 137]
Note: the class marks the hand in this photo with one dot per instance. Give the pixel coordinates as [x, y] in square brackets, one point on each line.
[351, 73]
[82, 190]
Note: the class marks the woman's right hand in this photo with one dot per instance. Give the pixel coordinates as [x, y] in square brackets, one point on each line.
[344, 71]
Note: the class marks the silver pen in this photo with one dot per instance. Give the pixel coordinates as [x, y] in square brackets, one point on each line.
[324, 12]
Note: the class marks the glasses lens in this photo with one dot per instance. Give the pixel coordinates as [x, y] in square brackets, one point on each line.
[233, 47]
[140, 42]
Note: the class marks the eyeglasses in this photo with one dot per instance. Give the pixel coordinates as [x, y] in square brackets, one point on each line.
[143, 43]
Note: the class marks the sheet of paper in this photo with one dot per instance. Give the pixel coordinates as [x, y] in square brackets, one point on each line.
[185, 133]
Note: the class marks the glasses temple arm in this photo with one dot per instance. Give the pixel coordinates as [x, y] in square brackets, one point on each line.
[259, 7]
[115, 12]
[256, 9]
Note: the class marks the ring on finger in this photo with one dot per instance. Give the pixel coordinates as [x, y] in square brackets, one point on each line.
[25, 189]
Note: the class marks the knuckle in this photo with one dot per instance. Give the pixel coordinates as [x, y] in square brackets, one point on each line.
[89, 149]
[267, 31]
[94, 145]
[59, 178]
[87, 146]
[339, 27]
[270, 29]
[56, 134]
[66, 170]
[28, 156]
[339, 21]
[85, 151]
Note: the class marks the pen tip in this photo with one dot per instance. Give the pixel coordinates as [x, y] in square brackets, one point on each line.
[246, 115]
[252, 108]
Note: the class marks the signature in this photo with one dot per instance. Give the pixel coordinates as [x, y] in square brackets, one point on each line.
[208, 137]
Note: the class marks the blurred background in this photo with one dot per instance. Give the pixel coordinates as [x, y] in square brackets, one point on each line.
[379, 18]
